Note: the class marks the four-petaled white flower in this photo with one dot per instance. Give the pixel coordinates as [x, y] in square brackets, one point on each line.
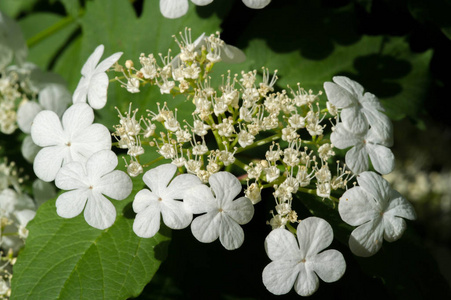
[358, 109]
[364, 144]
[74, 138]
[300, 265]
[173, 9]
[87, 183]
[377, 210]
[223, 214]
[93, 84]
[161, 199]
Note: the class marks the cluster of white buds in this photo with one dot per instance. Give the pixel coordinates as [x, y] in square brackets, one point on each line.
[246, 112]
[9, 96]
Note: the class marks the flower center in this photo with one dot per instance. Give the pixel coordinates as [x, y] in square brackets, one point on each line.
[91, 187]
[68, 144]
[220, 210]
[303, 260]
[160, 199]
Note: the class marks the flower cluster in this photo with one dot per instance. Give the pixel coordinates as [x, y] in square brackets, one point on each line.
[229, 123]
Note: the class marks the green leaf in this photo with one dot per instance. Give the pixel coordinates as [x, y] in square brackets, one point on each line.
[72, 7]
[68, 259]
[45, 50]
[325, 42]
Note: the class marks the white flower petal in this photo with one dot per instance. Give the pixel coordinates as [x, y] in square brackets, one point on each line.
[143, 199]
[97, 91]
[375, 185]
[173, 9]
[240, 210]
[100, 213]
[367, 239]
[92, 61]
[356, 207]
[147, 222]
[329, 265]
[25, 216]
[175, 214]
[26, 114]
[81, 92]
[225, 187]
[280, 244]
[338, 96]
[46, 129]
[371, 102]
[232, 54]
[92, 139]
[205, 228]
[350, 85]
[158, 178]
[231, 234]
[398, 206]
[76, 118]
[201, 2]
[101, 163]
[279, 276]
[354, 120]
[48, 162]
[180, 184]
[307, 282]
[55, 97]
[381, 157]
[108, 62]
[256, 4]
[29, 149]
[381, 125]
[357, 159]
[116, 184]
[71, 176]
[71, 204]
[199, 199]
[42, 191]
[394, 227]
[314, 235]
[342, 139]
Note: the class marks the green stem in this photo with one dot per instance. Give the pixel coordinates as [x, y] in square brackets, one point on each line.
[291, 228]
[51, 30]
[240, 164]
[269, 139]
[153, 161]
[313, 192]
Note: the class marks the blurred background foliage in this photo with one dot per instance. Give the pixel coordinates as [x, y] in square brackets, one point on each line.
[397, 49]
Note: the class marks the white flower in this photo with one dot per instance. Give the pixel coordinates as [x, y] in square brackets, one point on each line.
[74, 138]
[377, 210]
[301, 264]
[87, 184]
[94, 81]
[364, 144]
[162, 199]
[358, 109]
[173, 9]
[223, 214]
